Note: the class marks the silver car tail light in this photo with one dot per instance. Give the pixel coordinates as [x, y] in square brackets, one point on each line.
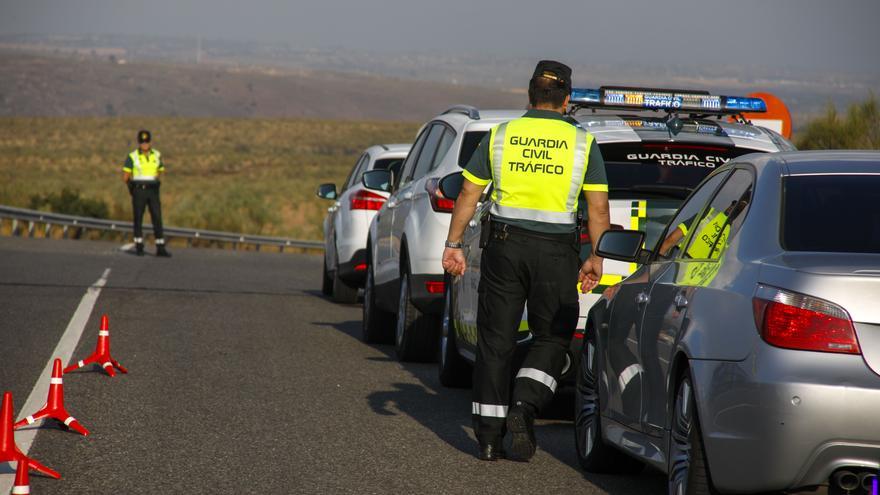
[797, 321]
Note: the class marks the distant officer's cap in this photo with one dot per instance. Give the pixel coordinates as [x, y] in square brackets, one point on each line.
[555, 71]
[143, 137]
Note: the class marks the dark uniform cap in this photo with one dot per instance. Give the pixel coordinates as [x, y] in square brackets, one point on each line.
[557, 71]
[143, 137]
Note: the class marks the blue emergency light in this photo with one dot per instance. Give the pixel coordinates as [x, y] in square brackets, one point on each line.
[671, 100]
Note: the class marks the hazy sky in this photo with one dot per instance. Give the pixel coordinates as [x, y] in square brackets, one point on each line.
[822, 34]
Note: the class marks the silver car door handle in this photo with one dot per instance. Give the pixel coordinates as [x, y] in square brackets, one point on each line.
[680, 301]
[642, 298]
[407, 195]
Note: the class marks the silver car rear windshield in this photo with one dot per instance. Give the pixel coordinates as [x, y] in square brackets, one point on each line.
[831, 213]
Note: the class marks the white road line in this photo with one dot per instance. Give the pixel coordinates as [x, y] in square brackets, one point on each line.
[64, 351]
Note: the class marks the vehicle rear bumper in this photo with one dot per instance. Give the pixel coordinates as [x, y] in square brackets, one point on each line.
[426, 302]
[354, 271]
[786, 419]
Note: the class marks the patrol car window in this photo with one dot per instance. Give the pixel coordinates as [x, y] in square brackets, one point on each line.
[831, 213]
[469, 144]
[645, 169]
[443, 148]
[406, 169]
[426, 156]
[670, 242]
[719, 222]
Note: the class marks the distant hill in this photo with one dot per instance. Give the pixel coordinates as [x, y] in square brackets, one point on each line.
[82, 85]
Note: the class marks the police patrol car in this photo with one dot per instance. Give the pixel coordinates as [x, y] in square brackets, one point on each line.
[658, 144]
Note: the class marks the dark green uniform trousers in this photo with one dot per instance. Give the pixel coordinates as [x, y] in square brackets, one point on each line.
[146, 195]
[518, 267]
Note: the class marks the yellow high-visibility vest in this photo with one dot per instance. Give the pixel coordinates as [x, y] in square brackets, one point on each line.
[710, 239]
[145, 167]
[538, 169]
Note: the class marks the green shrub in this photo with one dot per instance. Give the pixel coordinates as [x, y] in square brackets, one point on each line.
[858, 129]
[71, 203]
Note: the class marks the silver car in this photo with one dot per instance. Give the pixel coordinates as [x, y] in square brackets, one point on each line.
[744, 354]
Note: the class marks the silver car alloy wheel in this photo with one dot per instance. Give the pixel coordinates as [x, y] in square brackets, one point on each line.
[401, 309]
[681, 448]
[588, 402]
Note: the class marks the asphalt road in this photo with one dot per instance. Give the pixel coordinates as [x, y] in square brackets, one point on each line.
[244, 379]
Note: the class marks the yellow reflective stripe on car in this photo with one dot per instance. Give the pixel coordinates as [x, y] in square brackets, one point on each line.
[638, 221]
[606, 281]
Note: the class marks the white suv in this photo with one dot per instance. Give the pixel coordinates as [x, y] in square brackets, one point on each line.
[347, 221]
[404, 274]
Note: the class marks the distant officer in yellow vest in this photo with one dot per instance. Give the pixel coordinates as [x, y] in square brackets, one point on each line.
[539, 165]
[141, 174]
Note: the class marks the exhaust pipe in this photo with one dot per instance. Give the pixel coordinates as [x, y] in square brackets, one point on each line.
[867, 481]
[846, 480]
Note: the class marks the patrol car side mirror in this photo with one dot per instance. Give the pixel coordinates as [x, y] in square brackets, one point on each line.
[450, 185]
[378, 180]
[327, 191]
[621, 245]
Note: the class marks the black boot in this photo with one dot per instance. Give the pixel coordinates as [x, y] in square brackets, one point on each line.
[139, 249]
[162, 252]
[520, 424]
[490, 451]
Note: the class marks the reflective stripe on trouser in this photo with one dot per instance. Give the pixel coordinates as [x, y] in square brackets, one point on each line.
[514, 271]
[146, 198]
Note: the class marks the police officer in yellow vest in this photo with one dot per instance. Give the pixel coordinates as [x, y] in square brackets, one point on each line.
[141, 173]
[539, 165]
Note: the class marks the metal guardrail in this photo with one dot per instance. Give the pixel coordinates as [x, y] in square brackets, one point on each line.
[75, 226]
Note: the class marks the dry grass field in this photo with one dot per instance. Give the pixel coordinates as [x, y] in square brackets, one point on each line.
[255, 176]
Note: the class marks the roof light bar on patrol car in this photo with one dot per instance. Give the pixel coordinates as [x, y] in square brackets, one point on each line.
[670, 100]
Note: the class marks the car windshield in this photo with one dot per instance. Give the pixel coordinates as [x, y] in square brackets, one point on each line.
[831, 213]
[648, 170]
[469, 144]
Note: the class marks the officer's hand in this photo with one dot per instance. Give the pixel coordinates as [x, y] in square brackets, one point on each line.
[453, 261]
[590, 274]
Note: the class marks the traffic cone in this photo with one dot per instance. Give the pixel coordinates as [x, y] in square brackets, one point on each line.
[102, 352]
[9, 452]
[54, 407]
[22, 484]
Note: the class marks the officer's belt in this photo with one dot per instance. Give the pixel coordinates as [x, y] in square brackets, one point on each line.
[504, 229]
[145, 184]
